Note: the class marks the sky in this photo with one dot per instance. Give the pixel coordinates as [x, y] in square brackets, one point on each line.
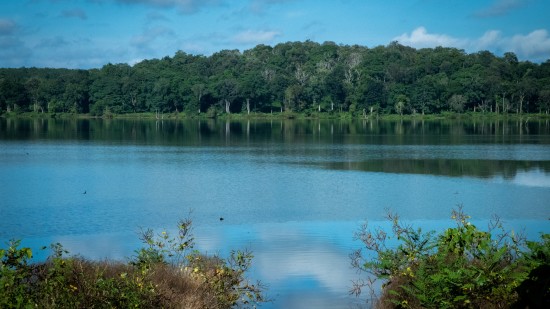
[91, 33]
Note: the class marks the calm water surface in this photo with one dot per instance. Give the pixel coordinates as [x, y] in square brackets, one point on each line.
[293, 192]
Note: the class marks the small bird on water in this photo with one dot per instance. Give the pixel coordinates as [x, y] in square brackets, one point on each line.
[221, 218]
[84, 192]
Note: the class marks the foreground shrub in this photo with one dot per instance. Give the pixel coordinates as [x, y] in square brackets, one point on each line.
[224, 278]
[164, 274]
[534, 292]
[15, 275]
[463, 267]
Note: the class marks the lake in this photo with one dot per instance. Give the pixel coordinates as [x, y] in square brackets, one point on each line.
[292, 191]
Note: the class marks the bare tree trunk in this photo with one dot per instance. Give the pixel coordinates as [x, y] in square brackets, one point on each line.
[521, 98]
[227, 105]
[133, 101]
[248, 106]
[200, 96]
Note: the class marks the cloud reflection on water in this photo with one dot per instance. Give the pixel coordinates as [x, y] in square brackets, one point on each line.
[536, 178]
[302, 262]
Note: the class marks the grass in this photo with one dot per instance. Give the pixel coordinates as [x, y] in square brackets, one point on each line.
[80, 283]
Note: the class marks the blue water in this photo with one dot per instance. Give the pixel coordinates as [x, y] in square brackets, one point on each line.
[282, 200]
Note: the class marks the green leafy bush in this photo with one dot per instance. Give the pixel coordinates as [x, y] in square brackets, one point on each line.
[166, 273]
[463, 267]
[534, 292]
[224, 279]
[15, 275]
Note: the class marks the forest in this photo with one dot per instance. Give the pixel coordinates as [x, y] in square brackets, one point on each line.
[295, 77]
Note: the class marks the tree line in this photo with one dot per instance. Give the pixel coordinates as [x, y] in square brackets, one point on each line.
[303, 77]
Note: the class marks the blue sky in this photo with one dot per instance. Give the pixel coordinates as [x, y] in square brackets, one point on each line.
[91, 33]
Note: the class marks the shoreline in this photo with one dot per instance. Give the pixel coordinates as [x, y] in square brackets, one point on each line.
[284, 115]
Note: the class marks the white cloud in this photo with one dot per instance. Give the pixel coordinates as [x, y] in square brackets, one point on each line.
[420, 38]
[489, 39]
[534, 46]
[255, 37]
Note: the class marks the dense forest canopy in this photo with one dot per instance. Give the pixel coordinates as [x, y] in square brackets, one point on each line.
[304, 77]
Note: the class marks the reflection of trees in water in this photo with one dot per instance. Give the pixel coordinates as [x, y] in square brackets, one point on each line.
[445, 167]
[365, 131]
